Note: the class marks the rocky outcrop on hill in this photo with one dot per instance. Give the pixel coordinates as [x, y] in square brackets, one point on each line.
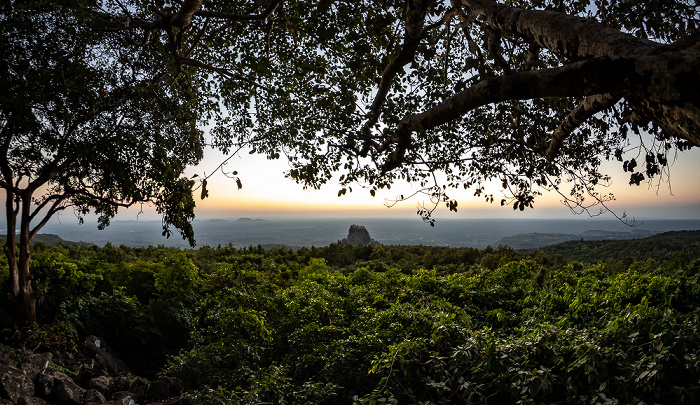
[99, 378]
[358, 235]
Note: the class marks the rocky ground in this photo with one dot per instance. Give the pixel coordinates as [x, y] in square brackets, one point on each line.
[91, 375]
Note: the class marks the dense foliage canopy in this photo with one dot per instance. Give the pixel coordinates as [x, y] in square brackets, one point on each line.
[533, 94]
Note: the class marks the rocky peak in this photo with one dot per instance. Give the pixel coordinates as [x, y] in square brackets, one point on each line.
[358, 235]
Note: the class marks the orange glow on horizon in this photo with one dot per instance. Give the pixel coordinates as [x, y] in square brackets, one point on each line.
[266, 192]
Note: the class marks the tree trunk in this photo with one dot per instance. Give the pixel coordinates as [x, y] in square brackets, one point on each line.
[18, 257]
[26, 299]
[10, 249]
[11, 254]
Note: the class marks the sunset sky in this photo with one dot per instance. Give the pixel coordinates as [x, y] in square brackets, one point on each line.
[267, 193]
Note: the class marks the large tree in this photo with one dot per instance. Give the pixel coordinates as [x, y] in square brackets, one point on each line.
[532, 93]
[85, 125]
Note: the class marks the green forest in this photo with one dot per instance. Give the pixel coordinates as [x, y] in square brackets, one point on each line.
[381, 324]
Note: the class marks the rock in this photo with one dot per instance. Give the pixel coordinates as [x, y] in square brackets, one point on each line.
[105, 359]
[33, 382]
[43, 385]
[35, 364]
[158, 390]
[358, 235]
[163, 388]
[65, 391]
[120, 383]
[118, 396]
[31, 401]
[69, 361]
[88, 373]
[14, 383]
[100, 384]
[122, 401]
[95, 396]
[140, 388]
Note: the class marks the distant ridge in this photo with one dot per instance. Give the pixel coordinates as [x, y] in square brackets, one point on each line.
[535, 239]
[246, 219]
[663, 246]
[51, 240]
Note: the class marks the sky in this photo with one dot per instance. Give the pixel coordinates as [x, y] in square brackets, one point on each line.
[266, 193]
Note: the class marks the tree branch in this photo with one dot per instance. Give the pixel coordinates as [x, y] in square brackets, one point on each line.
[589, 107]
[415, 20]
[104, 200]
[130, 39]
[571, 36]
[45, 174]
[4, 162]
[597, 76]
[45, 201]
[242, 17]
[198, 38]
[493, 44]
[55, 207]
[533, 57]
[182, 60]
[183, 18]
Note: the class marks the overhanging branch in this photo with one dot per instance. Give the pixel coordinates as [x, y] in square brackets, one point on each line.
[568, 35]
[588, 108]
[242, 17]
[55, 207]
[183, 18]
[415, 20]
[587, 78]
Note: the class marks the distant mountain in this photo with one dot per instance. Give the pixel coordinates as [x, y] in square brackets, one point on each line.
[663, 246]
[613, 235]
[245, 219]
[51, 239]
[535, 239]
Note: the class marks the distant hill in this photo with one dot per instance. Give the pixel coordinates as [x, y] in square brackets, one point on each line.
[663, 246]
[51, 239]
[536, 239]
[246, 219]
[597, 234]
